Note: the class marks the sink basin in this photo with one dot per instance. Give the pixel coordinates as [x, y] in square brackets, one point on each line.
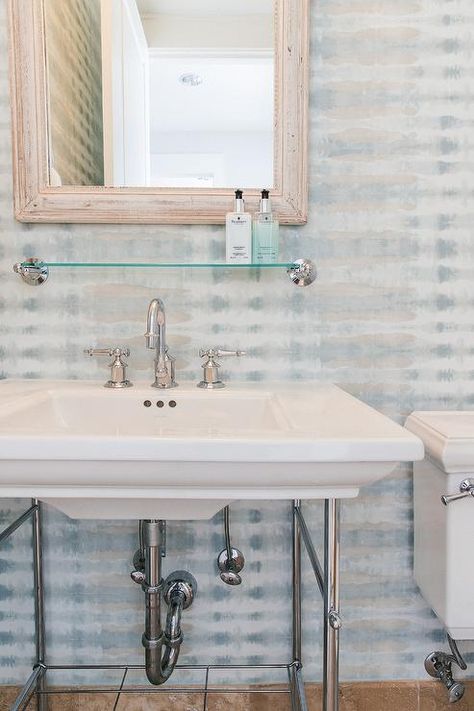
[180, 414]
[185, 453]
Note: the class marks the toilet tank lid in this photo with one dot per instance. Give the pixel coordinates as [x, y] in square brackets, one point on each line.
[448, 437]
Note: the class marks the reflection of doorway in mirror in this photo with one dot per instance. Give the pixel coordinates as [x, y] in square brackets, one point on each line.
[225, 116]
[187, 92]
[211, 90]
[125, 72]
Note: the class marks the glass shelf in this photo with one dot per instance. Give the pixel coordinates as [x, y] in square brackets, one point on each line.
[167, 265]
[35, 271]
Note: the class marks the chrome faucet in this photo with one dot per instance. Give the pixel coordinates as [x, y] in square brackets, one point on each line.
[155, 337]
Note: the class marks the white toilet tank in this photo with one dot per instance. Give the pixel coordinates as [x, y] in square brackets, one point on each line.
[444, 534]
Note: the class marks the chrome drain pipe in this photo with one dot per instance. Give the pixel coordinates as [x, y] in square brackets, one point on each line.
[178, 590]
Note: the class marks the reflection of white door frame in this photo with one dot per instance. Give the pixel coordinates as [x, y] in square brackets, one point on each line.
[125, 59]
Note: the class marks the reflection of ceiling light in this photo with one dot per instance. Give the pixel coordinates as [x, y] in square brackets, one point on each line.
[190, 79]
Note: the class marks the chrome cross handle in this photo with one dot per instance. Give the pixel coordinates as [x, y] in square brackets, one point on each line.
[211, 380]
[218, 353]
[118, 367]
[466, 488]
[122, 352]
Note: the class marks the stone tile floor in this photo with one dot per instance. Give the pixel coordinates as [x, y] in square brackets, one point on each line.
[364, 696]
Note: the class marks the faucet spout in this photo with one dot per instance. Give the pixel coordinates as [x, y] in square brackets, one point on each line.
[156, 325]
[155, 339]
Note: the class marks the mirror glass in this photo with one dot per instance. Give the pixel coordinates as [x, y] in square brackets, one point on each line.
[165, 93]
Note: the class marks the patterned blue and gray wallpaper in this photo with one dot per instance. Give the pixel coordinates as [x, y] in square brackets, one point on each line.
[391, 320]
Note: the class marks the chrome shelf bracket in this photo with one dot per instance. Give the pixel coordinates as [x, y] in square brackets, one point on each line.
[33, 271]
[302, 272]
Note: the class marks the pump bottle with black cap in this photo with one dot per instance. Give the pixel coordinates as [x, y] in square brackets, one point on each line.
[238, 233]
[265, 233]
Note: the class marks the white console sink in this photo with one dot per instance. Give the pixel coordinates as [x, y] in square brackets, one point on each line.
[99, 453]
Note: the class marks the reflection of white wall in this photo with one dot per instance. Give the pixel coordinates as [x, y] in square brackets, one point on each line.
[236, 94]
[249, 31]
[188, 170]
[224, 159]
[220, 132]
[229, 116]
[210, 8]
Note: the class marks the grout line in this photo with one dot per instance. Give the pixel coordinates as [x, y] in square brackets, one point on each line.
[206, 686]
[120, 689]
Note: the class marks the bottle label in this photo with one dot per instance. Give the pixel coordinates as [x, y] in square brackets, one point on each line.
[238, 238]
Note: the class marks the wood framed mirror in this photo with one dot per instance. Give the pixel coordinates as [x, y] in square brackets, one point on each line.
[75, 156]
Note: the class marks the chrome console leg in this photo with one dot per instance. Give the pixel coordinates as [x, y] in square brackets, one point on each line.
[298, 696]
[39, 604]
[332, 620]
[295, 670]
[296, 584]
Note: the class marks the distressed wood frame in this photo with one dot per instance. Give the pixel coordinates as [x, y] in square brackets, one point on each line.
[36, 201]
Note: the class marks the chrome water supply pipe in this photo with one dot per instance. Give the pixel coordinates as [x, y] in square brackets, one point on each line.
[230, 560]
[178, 590]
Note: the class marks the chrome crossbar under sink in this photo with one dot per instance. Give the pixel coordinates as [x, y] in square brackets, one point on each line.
[290, 684]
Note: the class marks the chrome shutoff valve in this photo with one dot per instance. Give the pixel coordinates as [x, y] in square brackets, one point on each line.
[439, 665]
[211, 380]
